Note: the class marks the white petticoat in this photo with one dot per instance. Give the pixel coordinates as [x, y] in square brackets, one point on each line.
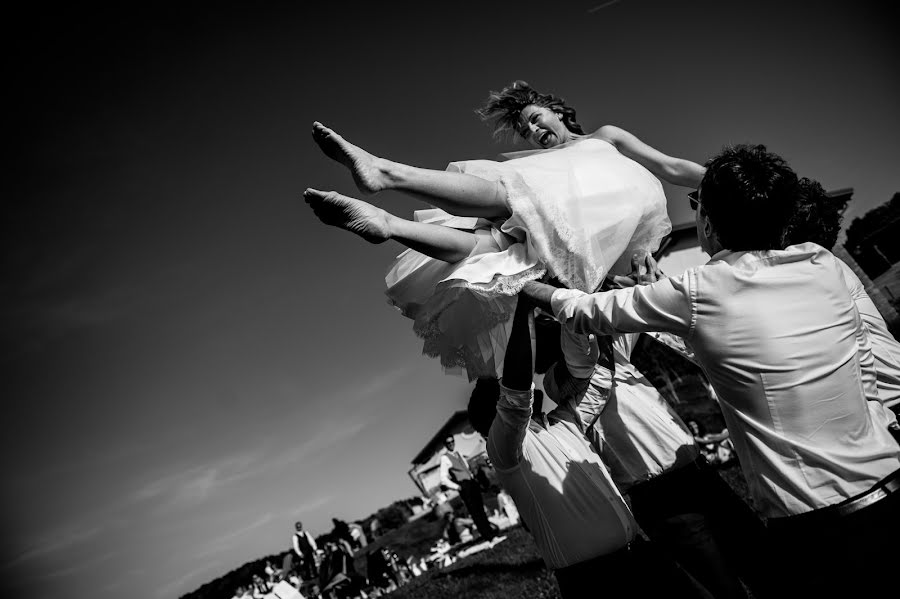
[579, 211]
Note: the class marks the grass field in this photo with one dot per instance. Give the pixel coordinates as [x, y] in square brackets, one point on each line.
[509, 570]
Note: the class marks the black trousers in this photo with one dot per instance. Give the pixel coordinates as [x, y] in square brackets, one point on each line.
[694, 516]
[308, 568]
[826, 553]
[470, 492]
[639, 570]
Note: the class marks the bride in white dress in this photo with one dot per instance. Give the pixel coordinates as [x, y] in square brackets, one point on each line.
[578, 207]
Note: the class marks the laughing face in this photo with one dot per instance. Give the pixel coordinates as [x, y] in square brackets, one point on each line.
[542, 128]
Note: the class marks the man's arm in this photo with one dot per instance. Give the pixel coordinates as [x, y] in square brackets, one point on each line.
[446, 481]
[539, 295]
[296, 545]
[514, 406]
[664, 306]
[518, 366]
[312, 541]
[674, 170]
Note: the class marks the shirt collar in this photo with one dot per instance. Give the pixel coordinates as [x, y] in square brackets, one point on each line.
[722, 255]
[790, 253]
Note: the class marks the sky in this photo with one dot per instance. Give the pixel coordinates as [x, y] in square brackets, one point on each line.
[192, 362]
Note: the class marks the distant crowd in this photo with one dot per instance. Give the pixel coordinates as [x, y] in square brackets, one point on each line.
[326, 566]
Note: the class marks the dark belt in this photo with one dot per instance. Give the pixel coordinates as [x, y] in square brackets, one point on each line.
[885, 487]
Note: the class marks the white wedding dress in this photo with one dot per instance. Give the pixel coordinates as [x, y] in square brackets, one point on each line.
[579, 211]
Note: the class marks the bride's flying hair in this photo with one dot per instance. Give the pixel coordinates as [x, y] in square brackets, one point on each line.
[504, 107]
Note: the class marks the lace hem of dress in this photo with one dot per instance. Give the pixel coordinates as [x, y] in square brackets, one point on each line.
[510, 284]
[497, 311]
[465, 357]
[429, 329]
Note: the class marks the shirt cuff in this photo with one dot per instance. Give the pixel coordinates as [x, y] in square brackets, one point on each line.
[559, 300]
[516, 398]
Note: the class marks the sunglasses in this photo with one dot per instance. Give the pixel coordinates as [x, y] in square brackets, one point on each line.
[694, 199]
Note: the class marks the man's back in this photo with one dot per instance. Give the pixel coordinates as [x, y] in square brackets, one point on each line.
[561, 488]
[782, 342]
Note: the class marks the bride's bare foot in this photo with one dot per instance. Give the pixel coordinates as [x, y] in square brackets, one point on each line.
[368, 171]
[356, 216]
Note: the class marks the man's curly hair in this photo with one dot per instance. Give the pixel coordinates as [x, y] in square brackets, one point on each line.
[503, 109]
[817, 217]
[749, 195]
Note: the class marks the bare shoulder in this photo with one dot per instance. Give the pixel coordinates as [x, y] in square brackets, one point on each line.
[609, 133]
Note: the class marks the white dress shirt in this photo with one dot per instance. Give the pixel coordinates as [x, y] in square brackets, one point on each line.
[561, 488]
[885, 348]
[785, 349]
[445, 473]
[635, 430]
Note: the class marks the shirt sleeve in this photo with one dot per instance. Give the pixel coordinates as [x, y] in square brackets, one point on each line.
[665, 306]
[445, 473]
[297, 545]
[879, 358]
[312, 541]
[869, 372]
[508, 430]
[864, 304]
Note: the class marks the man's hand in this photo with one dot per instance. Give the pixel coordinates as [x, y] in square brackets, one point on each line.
[576, 344]
[644, 268]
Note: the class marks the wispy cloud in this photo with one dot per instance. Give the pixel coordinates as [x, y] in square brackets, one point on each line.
[604, 5]
[75, 288]
[79, 464]
[78, 567]
[194, 484]
[312, 504]
[57, 541]
[226, 541]
[325, 437]
[172, 589]
[381, 382]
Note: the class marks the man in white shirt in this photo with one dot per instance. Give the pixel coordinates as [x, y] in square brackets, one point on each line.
[579, 520]
[304, 546]
[676, 497]
[785, 349]
[455, 475]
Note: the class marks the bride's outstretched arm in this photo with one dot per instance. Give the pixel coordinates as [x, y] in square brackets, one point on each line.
[677, 171]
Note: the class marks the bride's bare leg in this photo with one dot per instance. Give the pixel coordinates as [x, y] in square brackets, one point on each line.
[457, 193]
[377, 226]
